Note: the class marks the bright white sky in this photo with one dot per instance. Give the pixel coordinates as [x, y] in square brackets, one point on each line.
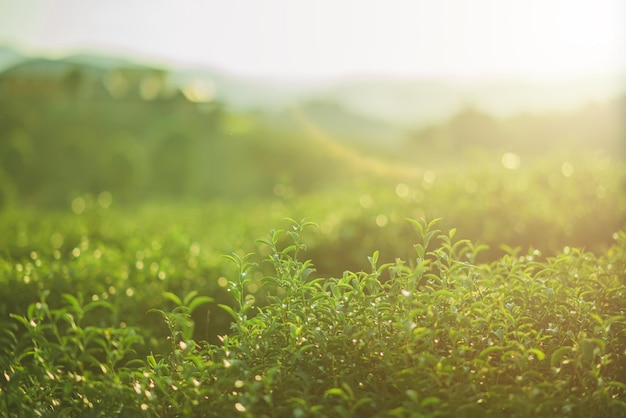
[331, 38]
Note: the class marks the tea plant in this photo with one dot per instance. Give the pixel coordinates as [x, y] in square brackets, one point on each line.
[434, 335]
[438, 336]
[63, 366]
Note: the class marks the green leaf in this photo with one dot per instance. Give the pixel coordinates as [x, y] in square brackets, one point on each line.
[304, 348]
[433, 222]
[306, 273]
[557, 356]
[293, 235]
[151, 361]
[361, 402]
[537, 352]
[235, 260]
[72, 301]
[373, 259]
[171, 296]
[272, 281]
[412, 395]
[336, 392]
[21, 319]
[419, 248]
[348, 390]
[200, 300]
[490, 350]
[431, 400]
[230, 311]
[417, 225]
[189, 296]
[428, 237]
[443, 292]
[586, 350]
[290, 249]
[159, 311]
[96, 304]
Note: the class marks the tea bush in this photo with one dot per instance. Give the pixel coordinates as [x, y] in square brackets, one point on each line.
[437, 334]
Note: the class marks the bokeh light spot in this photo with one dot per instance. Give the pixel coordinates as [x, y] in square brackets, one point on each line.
[567, 169]
[428, 179]
[279, 190]
[510, 161]
[105, 199]
[150, 88]
[199, 91]
[78, 205]
[402, 190]
[116, 84]
[56, 240]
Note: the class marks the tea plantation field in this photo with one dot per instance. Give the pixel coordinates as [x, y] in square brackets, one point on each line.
[488, 291]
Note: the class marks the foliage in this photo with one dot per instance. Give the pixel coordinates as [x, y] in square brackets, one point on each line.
[117, 208]
[437, 334]
[78, 136]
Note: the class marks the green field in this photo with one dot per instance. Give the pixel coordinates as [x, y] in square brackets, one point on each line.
[164, 259]
[511, 305]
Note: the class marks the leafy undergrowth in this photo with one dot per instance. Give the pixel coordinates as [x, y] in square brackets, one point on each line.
[437, 335]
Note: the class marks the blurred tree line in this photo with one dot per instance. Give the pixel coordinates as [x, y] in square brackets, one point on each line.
[68, 129]
[76, 135]
[594, 127]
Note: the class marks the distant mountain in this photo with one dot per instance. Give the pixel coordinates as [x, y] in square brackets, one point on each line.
[9, 57]
[338, 121]
[237, 92]
[396, 101]
[47, 68]
[418, 102]
[382, 102]
[103, 61]
[410, 102]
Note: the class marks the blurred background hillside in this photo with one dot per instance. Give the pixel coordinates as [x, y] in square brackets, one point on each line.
[507, 119]
[94, 123]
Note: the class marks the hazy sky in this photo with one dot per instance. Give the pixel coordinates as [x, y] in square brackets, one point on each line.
[328, 38]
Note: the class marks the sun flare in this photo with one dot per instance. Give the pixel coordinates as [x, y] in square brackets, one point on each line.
[283, 39]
